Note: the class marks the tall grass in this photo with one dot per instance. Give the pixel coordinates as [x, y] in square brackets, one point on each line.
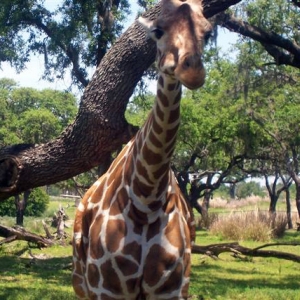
[253, 225]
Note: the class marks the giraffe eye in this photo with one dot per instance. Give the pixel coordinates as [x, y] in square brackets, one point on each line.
[207, 36]
[158, 33]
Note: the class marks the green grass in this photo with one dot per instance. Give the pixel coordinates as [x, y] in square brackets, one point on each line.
[45, 278]
[226, 278]
[253, 279]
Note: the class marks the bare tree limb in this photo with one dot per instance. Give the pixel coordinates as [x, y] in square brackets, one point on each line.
[296, 2]
[19, 233]
[284, 51]
[215, 250]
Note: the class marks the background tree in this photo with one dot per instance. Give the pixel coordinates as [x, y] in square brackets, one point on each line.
[74, 37]
[31, 116]
[34, 203]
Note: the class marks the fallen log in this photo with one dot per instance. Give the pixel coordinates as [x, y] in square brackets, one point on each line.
[11, 234]
[215, 250]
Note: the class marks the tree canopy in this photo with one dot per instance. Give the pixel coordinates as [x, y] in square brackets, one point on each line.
[75, 36]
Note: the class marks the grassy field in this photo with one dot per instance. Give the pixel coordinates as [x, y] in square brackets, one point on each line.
[48, 276]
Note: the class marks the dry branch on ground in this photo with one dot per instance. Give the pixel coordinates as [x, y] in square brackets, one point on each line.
[11, 234]
[215, 250]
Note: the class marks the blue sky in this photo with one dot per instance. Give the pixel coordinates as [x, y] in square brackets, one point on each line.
[31, 76]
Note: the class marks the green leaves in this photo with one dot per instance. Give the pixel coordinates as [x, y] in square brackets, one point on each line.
[73, 37]
[32, 116]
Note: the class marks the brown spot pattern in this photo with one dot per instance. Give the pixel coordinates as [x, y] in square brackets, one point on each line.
[163, 98]
[171, 133]
[171, 86]
[170, 148]
[173, 282]
[142, 171]
[157, 261]
[149, 156]
[97, 194]
[96, 249]
[76, 282]
[156, 127]
[170, 204]
[153, 229]
[174, 116]
[93, 275]
[161, 81]
[141, 189]
[111, 279]
[162, 186]
[154, 140]
[126, 266]
[159, 112]
[120, 203]
[131, 285]
[161, 171]
[137, 216]
[173, 234]
[133, 249]
[155, 205]
[106, 297]
[115, 231]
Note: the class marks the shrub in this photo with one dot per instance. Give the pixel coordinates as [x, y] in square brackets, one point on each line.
[207, 221]
[36, 204]
[279, 226]
[257, 226]
[247, 189]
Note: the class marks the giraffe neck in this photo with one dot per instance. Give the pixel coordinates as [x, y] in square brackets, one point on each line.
[155, 142]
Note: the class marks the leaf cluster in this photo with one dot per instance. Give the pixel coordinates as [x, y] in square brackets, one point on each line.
[32, 116]
[36, 205]
[74, 36]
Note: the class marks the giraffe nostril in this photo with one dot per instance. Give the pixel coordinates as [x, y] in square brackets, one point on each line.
[193, 61]
[187, 64]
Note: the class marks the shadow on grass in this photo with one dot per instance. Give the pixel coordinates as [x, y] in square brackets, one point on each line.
[215, 281]
[23, 278]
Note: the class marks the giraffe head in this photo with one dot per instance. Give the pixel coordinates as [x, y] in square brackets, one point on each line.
[180, 33]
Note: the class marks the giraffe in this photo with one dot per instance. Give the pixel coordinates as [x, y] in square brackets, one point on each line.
[133, 230]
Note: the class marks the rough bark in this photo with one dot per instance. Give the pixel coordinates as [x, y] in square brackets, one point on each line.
[216, 249]
[100, 126]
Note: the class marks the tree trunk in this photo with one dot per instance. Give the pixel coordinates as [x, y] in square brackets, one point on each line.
[288, 209]
[61, 223]
[20, 208]
[100, 126]
[273, 202]
[205, 203]
[194, 196]
[232, 190]
[21, 203]
[297, 184]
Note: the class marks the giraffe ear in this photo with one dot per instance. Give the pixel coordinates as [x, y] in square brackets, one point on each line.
[146, 23]
[154, 31]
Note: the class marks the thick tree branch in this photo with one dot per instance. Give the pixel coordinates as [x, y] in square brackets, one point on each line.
[216, 249]
[284, 51]
[296, 2]
[100, 126]
[19, 233]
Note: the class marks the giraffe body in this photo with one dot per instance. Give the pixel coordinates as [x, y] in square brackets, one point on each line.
[133, 230]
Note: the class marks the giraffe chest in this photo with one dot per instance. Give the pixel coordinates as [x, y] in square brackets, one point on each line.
[138, 255]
